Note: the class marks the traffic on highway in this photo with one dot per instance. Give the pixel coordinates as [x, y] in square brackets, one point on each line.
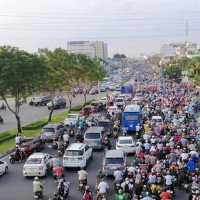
[139, 143]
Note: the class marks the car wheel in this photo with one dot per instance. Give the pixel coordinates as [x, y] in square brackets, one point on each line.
[46, 173]
[91, 157]
[6, 170]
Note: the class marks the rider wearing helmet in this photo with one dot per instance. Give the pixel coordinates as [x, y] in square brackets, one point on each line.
[82, 176]
[37, 186]
[59, 171]
[120, 195]
[63, 188]
[88, 194]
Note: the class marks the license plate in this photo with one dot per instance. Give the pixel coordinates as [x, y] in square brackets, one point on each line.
[113, 167]
[117, 184]
[81, 185]
[131, 126]
[32, 173]
[47, 134]
[35, 196]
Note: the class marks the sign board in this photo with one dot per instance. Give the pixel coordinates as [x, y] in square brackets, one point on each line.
[76, 42]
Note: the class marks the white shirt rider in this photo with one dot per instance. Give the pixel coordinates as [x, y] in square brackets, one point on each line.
[118, 175]
[168, 179]
[103, 186]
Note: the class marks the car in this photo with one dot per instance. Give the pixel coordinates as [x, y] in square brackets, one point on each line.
[52, 132]
[57, 103]
[77, 155]
[87, 110]
[126, 143]
[3, 167]
[98, 105]
[112, 109]
[72, 118]
[104, 100]
[114, 159]
[93, 137]
[31, 144]
[112, 87]
[102, 88]
[93, 91]
[38, 164]
[120, 102]
[136, 100]
[107, 126]
[40, 101]
[156, 119]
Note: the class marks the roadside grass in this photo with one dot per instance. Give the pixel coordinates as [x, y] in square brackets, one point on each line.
[28, 133]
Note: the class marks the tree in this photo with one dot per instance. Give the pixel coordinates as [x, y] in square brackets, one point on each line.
[172, 72]
[119, 56]
[54, 78]
[20, 73]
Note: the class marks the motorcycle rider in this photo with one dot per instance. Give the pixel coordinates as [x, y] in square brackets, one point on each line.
[88, 194]
[66, 137]
[120, 195]
[127, 187]
[55, 161]
[106, 142]
[132, 168]
[63, 188]
[165, 195]
[59, 171]
[56, 197]
[102, 187]
[82, 176]
[60, 144]
[168, 183]
[118, 175]
[37, 186]
[190, 165]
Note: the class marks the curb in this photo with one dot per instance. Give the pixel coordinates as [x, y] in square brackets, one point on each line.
[7, 152]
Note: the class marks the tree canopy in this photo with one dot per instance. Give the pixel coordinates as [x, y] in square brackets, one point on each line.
[119, 56]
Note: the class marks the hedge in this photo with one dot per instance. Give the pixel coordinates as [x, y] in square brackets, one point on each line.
[35, 125]
[90, 101]
[6, 137]
[77, 108]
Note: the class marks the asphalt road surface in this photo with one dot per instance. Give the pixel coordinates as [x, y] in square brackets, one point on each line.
[13, 186]
[30, 114]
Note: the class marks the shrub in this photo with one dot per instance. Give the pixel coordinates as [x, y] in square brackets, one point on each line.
[90, 101]
[6, 137]
[77, 108]
[35, 125]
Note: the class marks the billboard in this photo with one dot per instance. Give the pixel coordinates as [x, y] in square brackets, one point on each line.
[76, 42]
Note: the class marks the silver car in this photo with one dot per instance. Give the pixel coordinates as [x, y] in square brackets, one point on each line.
[114, 159]
[93, 137]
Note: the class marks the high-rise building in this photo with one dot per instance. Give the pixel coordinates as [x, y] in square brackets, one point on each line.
[97, 49]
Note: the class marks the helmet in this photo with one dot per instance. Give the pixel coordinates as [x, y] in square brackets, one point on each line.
[100, 171]
[158, 162]
[59, 164]
[62, 180]
[120, 191]
[36, 178]
[87, 187]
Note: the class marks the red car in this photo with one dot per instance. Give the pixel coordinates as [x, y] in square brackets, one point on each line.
[87, 110]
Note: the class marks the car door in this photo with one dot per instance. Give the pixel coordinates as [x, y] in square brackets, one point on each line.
[1, 167]
[87, 151]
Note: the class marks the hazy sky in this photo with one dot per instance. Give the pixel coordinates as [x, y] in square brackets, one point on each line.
[127, 26]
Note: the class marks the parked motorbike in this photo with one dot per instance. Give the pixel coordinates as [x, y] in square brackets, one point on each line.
[1, 120]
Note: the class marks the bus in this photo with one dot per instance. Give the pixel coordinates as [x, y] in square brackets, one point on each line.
[127, 88]
[131, 117]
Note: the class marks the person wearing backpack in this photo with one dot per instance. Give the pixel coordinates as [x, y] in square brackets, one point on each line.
[127, 187]
[88, 194]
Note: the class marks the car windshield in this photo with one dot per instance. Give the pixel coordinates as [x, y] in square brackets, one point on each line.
[125, 141]
[92, 135]
[114, 161]
[34, 161]
[38, 98]
[27, 143]
[103, 124]
[111, 109]
[72, 116]
[73, 153]
[48, 129]
[119, 100]
[55, 100]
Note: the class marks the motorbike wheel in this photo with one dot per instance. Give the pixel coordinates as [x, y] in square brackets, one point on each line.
[12, 160]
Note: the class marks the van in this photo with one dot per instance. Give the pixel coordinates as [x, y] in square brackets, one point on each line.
[112, 160]
[93, 137]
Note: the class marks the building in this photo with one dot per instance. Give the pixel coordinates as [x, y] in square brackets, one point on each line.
[177, 50]
[97, 49]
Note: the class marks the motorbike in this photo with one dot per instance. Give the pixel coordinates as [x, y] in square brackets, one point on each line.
[61, 152]
[71, 132]
[79, 138]
[124, 131]
[115, 132]
[38, 195]
[62, 195]
[131, 177]
[66, 144]
[117, 184]
[1, 120]
[14, 158]
[174, 180]
[55, 145]
[102, 197]
[159, 177]
[81, 186]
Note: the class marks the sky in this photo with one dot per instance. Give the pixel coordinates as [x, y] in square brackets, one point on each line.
[131, 27]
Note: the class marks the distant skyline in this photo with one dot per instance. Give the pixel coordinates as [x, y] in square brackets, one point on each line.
[131, 27]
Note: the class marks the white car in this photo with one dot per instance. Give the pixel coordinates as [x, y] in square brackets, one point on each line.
[113, 108]
[112, 87]
[77, 155]
[72, 118]
[126, 143]
[38, 164]
[120, 101]
[157, 119]
[103, 100]
[3, 167]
